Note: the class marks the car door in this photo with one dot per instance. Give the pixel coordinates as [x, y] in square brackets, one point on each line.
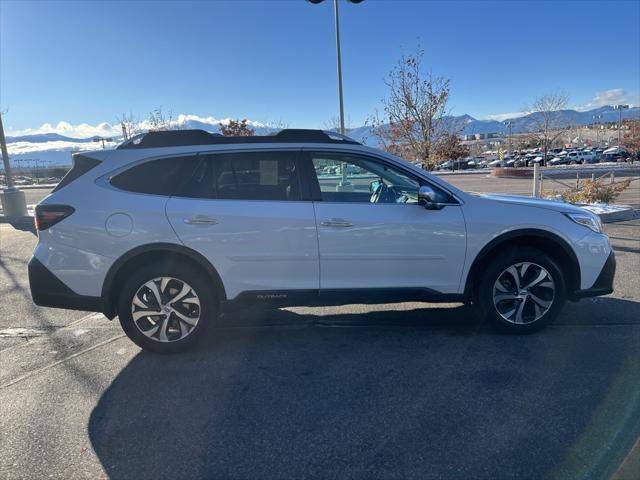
[244, 212]
[373, 234]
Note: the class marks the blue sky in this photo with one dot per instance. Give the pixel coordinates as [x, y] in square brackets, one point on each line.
[87, 62]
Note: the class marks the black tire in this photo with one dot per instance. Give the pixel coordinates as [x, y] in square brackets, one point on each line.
[200, 285]
[498, 266]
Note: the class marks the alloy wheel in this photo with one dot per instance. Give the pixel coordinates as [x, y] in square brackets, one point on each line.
[523, 293]
[165, 309]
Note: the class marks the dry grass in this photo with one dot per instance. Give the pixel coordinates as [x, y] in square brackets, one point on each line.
[590, 191]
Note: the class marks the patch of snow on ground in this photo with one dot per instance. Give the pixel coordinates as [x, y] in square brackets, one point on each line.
[603, 208]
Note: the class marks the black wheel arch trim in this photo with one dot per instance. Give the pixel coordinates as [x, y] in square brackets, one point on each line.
[108, 306]
[603, 284]
[47, 290]
[514, 235]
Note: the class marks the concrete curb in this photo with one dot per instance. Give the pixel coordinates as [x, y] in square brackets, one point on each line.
[625, 212]
[620, 216]
[35, 186]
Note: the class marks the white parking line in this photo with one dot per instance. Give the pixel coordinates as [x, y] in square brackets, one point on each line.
[42, 332]
[47, 367]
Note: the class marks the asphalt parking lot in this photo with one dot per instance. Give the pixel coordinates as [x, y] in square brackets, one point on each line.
[409, 390]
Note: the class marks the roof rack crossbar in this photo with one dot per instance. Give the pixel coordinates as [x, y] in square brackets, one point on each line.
[177, 138]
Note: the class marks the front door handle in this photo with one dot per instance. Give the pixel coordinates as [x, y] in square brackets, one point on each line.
[336, 222]
[200, 220]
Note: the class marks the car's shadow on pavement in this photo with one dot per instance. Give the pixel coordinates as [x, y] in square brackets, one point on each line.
[424, 393]
[24, 224]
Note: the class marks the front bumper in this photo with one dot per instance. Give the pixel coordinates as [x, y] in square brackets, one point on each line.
[603, 284]
[47, 290]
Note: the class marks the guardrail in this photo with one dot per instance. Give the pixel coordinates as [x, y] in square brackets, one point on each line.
[539, 178]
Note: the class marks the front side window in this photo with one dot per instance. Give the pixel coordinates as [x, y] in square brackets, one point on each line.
[245, 176]
[353, 178]
[156, 177]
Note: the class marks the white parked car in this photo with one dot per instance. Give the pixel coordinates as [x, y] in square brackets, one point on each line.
[573, 157]
[171, 227]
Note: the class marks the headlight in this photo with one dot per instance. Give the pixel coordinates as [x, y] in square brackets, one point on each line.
[587, 219]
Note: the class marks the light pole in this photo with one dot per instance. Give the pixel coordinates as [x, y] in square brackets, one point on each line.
[597, 119]
[509, 125]
[620, 108]
[12, 198]
[345, 184]
[338, 55]
[102, 139]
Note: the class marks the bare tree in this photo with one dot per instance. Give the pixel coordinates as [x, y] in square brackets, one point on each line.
[547, 122]
[159, 120]
[632, 137]
[333, 124]
[414, 112]
[237, 128]
[130, 126]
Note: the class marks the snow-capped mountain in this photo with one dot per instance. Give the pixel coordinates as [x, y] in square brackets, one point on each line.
[526, 123]
[46, 137]
[56, 149]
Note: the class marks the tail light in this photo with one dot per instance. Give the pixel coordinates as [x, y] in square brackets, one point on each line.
[49, 215]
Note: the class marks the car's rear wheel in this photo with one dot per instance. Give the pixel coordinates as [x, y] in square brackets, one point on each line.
[522, 291]
[166, 308]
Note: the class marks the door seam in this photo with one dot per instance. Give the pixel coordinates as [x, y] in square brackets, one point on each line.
[315, 220]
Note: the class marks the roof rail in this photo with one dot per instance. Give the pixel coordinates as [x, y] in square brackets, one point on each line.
[177, 138]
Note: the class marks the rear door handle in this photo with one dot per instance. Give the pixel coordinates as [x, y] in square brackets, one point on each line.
[200, 220]
[336, 222]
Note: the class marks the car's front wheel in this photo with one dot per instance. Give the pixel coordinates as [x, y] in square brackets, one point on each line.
[166, 308]
[522, 291]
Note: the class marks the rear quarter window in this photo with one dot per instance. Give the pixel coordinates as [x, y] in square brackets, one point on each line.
[163, 176]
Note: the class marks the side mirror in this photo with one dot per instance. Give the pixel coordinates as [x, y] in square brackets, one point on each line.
[427, 198]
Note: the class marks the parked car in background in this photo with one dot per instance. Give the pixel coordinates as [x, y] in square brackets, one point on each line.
[484, 163]
[533, 158]
[563, 160]
[615, 154]
[616, 157]
[460, 164]
[475, 162]
[521, 161]
[22, 180]
[529, 157]
[589, 156]
[573, 157]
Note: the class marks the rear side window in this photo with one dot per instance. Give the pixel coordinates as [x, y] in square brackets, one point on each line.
[81, 165]
[157, 177]
[245, 176]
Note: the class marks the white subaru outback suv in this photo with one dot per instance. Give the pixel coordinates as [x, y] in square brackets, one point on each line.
[170, 227]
